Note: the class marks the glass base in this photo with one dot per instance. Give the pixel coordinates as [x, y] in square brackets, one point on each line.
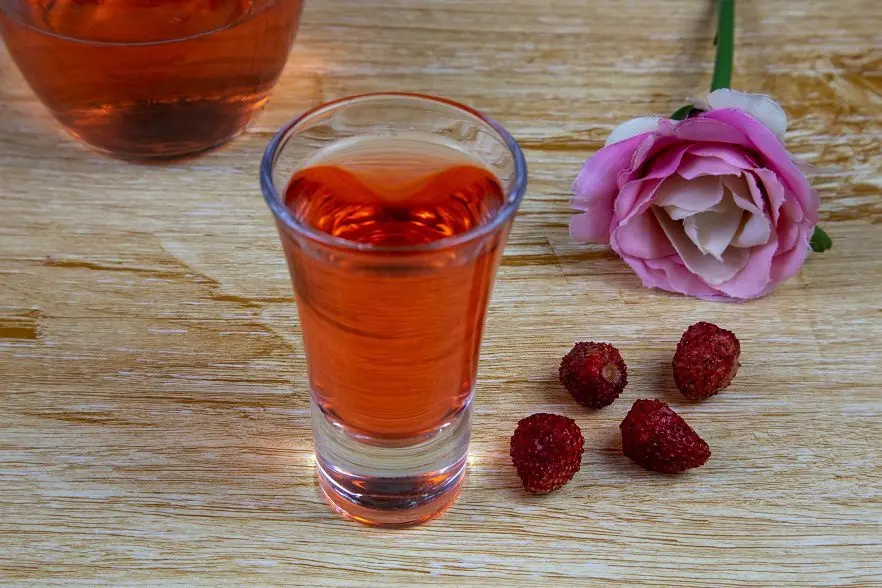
[162, 132]
[391, 484]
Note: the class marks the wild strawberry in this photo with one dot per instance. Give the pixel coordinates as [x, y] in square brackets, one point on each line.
[594, 373]
[546, 450]
[706, 360]
[657, 438]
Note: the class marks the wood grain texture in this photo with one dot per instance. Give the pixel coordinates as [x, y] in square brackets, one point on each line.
[154, 398]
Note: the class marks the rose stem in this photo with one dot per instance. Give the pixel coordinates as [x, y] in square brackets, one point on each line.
[725, 41]
[725, 45]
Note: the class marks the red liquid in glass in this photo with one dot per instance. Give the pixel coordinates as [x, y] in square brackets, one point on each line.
[151, 78]
[392, 337]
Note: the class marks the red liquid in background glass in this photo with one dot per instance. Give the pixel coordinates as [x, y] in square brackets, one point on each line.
[151, 78]
[393, 341]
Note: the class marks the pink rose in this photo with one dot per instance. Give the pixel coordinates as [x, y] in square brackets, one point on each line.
[712, 206]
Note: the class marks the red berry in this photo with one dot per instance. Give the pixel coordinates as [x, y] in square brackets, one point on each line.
[706, 360]
[546, 450]
[657, 438]
[594, 373]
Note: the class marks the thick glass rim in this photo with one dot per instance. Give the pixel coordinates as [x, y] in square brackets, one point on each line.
[513, 196]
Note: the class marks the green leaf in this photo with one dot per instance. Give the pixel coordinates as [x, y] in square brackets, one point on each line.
[683, 112]
[725, 45]
[821, 241]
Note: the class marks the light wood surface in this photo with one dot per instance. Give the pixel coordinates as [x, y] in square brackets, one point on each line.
[154, 423]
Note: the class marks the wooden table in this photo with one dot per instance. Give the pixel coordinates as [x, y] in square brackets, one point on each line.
[154, 418]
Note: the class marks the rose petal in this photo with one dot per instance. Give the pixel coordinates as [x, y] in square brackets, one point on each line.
[712, 232]
[787, 263]
[742, 194]
[590, 227]
[667, 274]
[677, 213]
[777, 158]
[755, 228]
[696, 195]
[694, 166]
[664, 163]
[651, 278]
[761, 107]
[636, 197]
[788, 233]
[597, 179]
[702, 129]
[756, 275]
[754, 231]
[641, 236]
[758, 197]
[633, 128]
[652, 145]
[773, 190]
[595, 189]
[731, 154]
[710, 270]
[675, 277]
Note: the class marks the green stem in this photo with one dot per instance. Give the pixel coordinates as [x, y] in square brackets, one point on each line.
[725, 54]
[725, 45]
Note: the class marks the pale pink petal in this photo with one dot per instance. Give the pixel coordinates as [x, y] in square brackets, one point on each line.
[787, 264]
[731, 154]
[665, 274]
[761, 107]
[788, 234]
[654, 144]
[636, 197]
[745, 197]
[597, 179]
[633, 194]
[694, 166]
[755, 229]
[632, 128]
[755, 276]
[703, 129]
[696, 195]
[773, 190]
[777, 158]
[595, 190]
[677, 213]
[651, 278]
[713, 231]
[665, 163]
[677, 278]
[709, 269]
[641, 236]
[590, 227]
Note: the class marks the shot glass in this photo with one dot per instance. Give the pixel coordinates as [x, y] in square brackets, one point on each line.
[393, 211]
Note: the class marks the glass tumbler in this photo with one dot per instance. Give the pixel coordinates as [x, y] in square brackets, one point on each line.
[392, 321]
[153, 79]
